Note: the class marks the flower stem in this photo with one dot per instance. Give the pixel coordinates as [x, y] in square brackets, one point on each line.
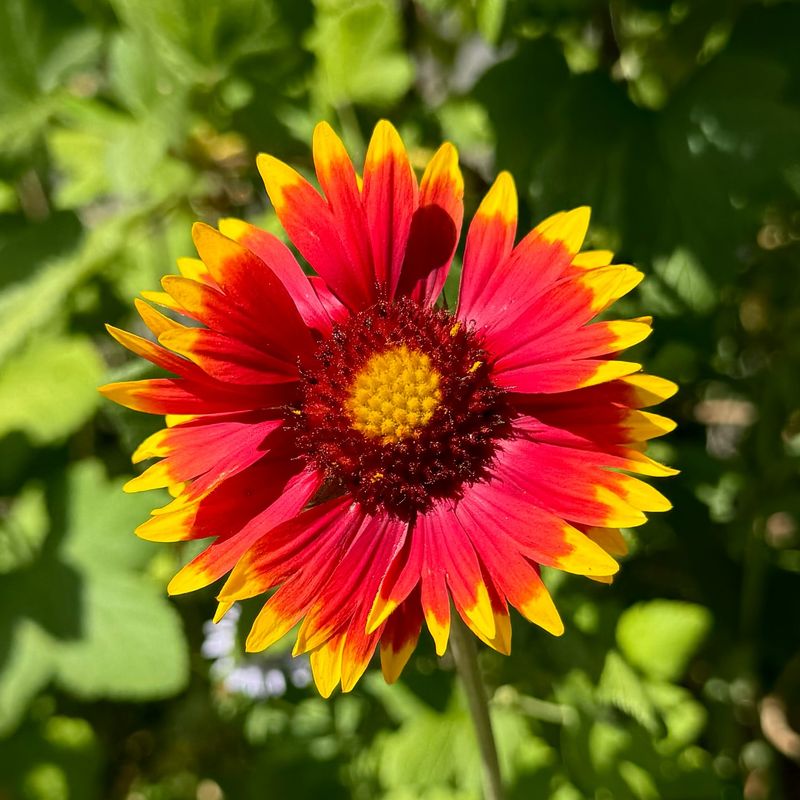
[465, 655]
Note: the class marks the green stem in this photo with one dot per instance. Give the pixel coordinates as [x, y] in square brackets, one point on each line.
[465, 655]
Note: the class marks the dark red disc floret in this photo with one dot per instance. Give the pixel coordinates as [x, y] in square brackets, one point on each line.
[453, 450]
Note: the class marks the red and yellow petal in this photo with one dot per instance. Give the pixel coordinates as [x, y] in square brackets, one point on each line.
[160, 356]
[222, 555]
[358, 651]
[561, 376]
[589, 342]
[610, 539]
[358, 574]
[194, 269]
[193, 449]
[647, 390]
[466, 582]
[490, 240]
[561, 308]
[400, 636]
[281, 613]
[253, 288]
[501, 641]
[390, 197]
[213, 309]
[337, 178]
[542, 259]
[326, 664]
[612, 430]
[155, 320]
[311, 225]
[634, 391]
[574, 486]
[432, 528]
[323, 531]
[176, 396]
[279, 258]
[435, 228]
[592, 259]
[567, 228]
[538, 535]
[514, 576]
[227, 359]
[400, 580]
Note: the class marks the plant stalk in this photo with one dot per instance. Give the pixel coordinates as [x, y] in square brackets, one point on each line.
[465, 654]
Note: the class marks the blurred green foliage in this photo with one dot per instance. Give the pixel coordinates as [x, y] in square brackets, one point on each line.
[122, 121]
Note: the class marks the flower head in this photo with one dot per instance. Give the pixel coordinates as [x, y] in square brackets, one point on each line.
[362, 457]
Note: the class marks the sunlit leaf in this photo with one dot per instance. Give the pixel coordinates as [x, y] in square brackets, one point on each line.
[49, 389]
[661, 636]
[358, 53]
[82, 613]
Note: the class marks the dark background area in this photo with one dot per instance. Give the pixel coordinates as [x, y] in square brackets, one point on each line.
[123, 121]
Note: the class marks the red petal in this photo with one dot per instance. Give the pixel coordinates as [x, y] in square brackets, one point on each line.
[489, 242]
[229, 360]
[178, 396]
[255, 289]
[543, 257]
[338, 180]
[435, 228]
[390, 199]
[400, 637]
[279, 258]
[324, 530]
[432, 528]
[224, 446]
[222, 555]
[312, 228]
[354, 582]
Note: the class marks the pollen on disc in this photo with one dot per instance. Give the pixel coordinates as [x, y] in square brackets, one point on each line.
[394, 395]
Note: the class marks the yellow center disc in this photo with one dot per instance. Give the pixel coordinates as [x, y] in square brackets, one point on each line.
[394, 395]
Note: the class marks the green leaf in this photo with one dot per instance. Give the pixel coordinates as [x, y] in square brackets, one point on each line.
[50, 388]
[77, 155]
[489, 15]
[465, 123]
[176, 33]
[22, 529]
[422, 752]
[621, 687]
[39, 54]
[100, 152]
[131, 644]
[21, 49]
[133, 75]
[660, 637]
[99, 520]
[38, 297]
[357, 45]
[639, 781]
[77, 50]
[26, 664]
[684, 717]
[83, 613]
[607, 744]
[680, 283]
[432, 754]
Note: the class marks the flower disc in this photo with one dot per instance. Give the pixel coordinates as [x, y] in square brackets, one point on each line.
[399, 410]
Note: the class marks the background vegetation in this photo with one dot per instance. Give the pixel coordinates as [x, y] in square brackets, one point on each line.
[122, 121]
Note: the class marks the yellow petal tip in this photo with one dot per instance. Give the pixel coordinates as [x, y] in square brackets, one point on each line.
[567, 227]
